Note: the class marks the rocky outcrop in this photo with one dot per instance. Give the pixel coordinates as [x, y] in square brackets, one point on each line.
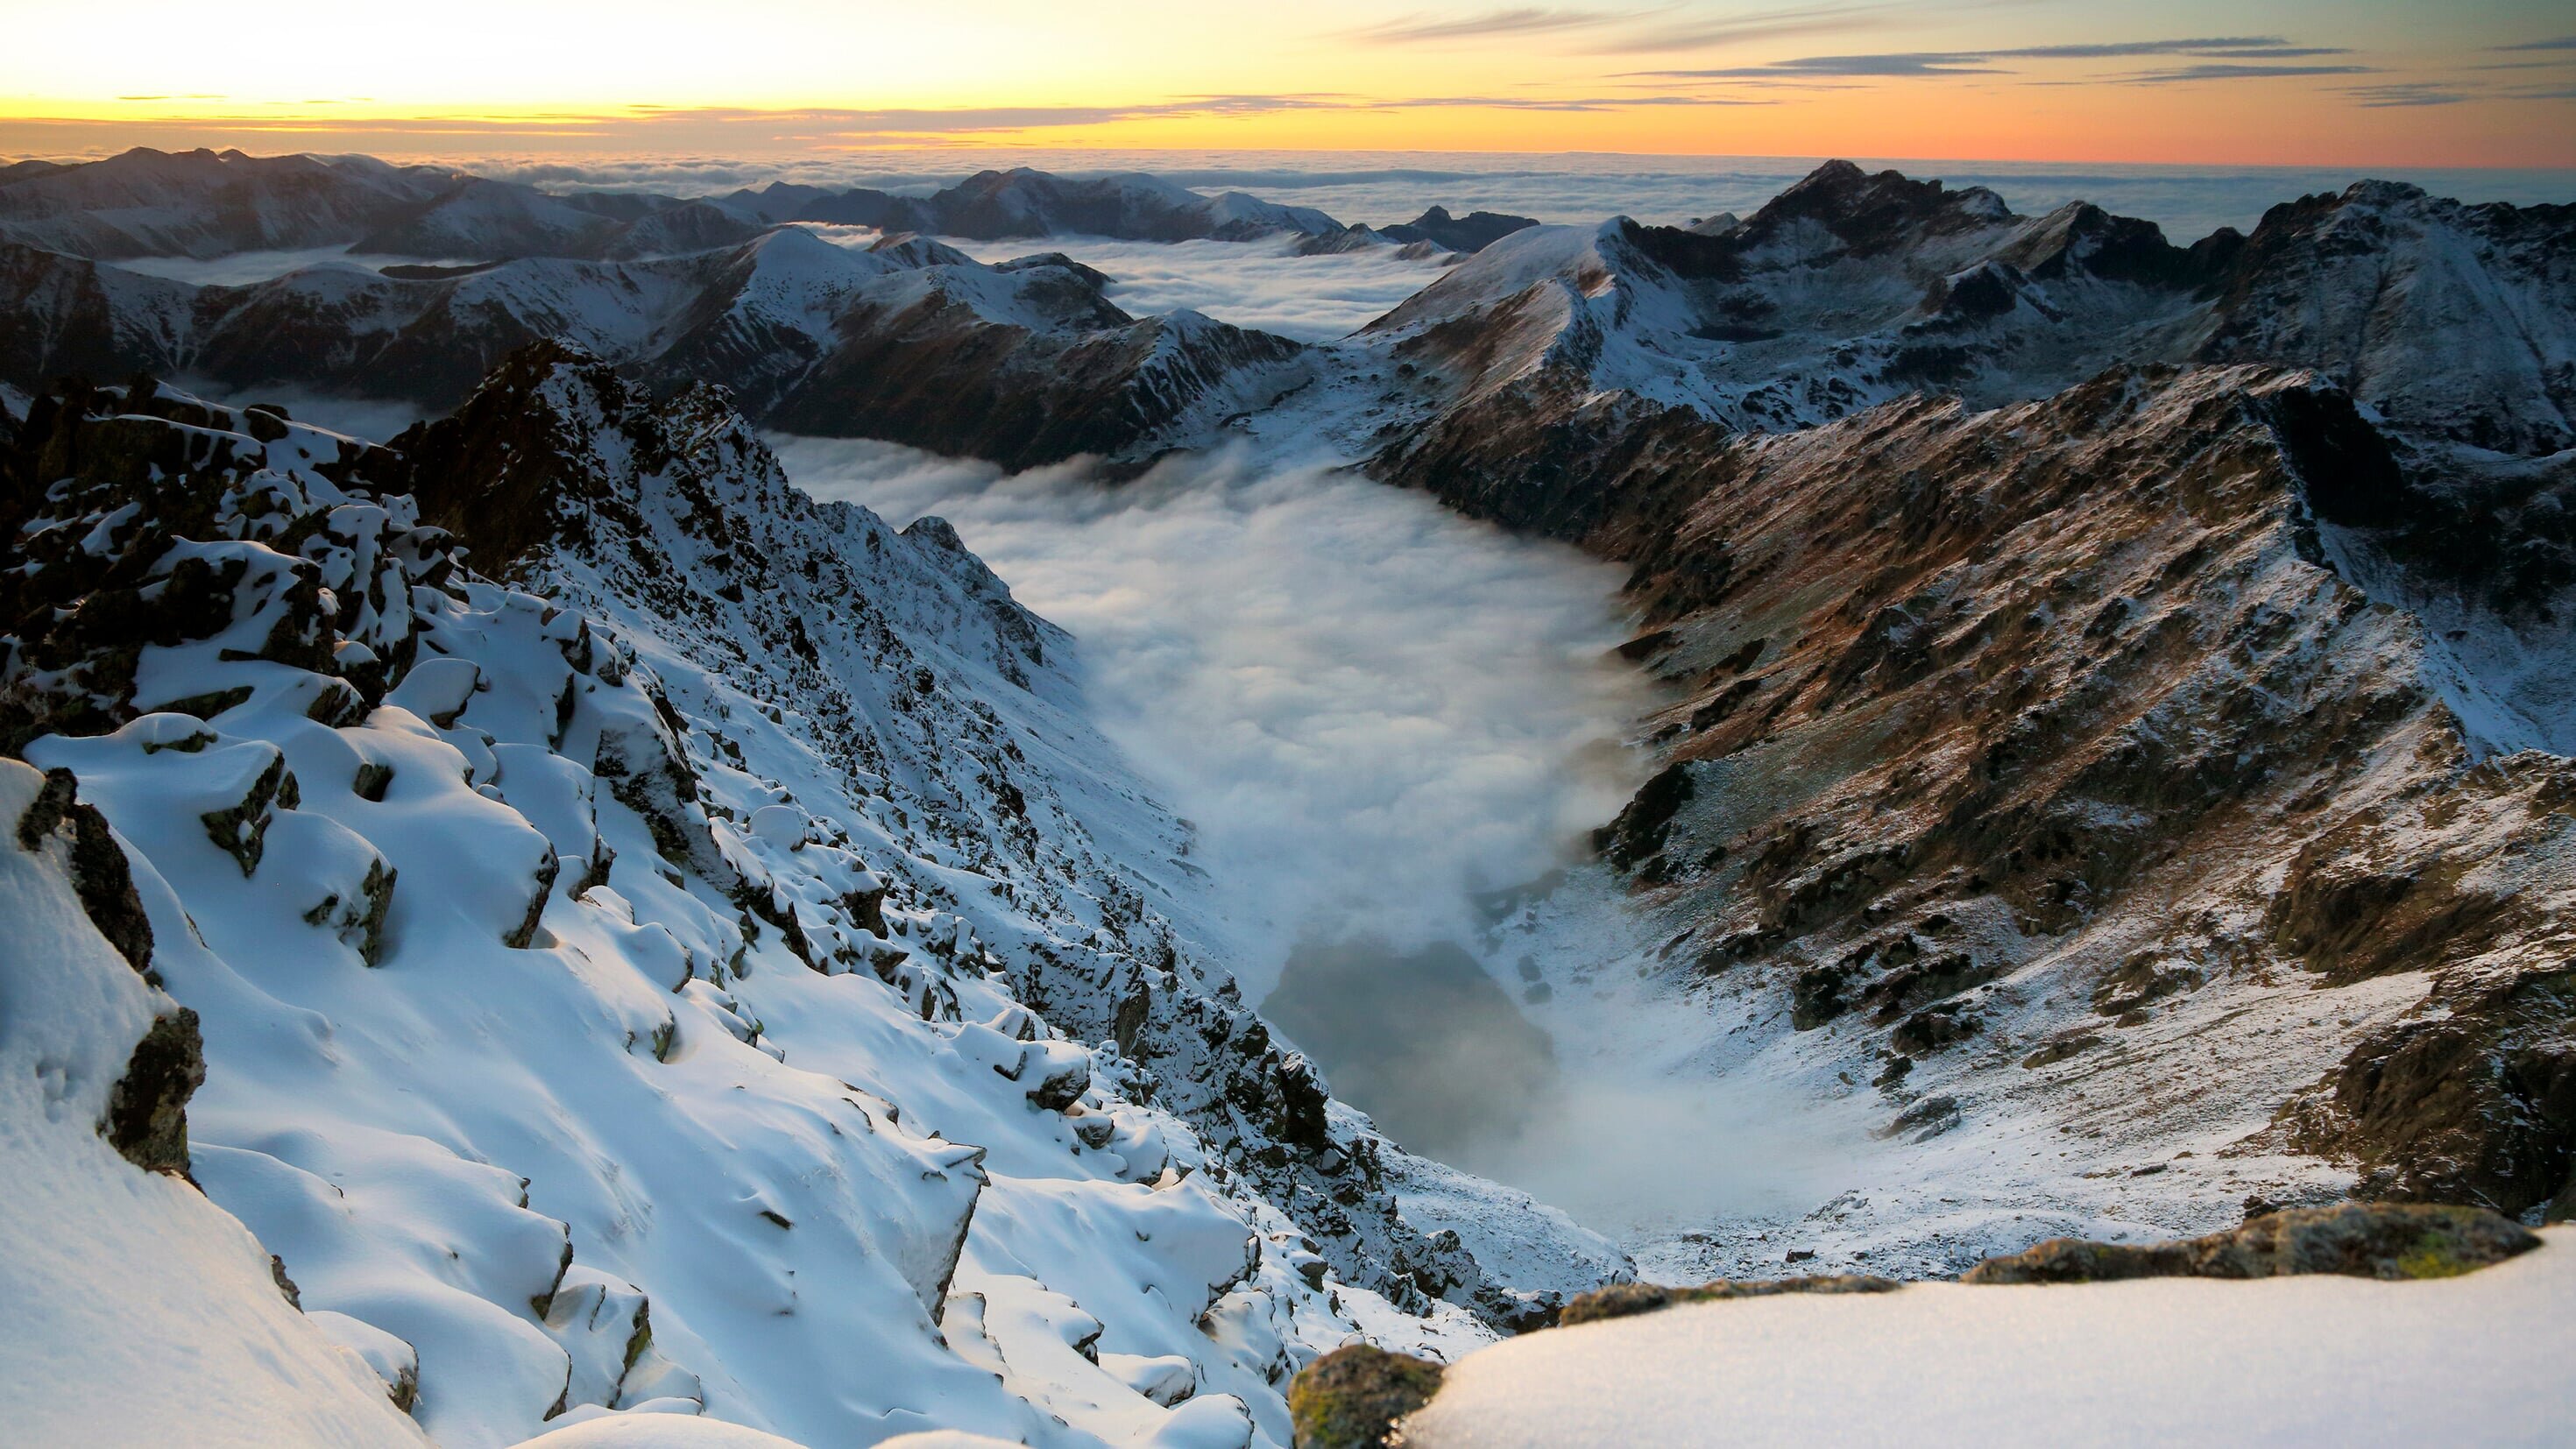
[1356, 1397]
[1626, 1300]
[147, 1107]
[2356, 1240]
[1473, 232]
[2472, 1097]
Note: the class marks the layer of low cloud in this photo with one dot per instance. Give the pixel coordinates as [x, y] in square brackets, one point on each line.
[1369, 705]
[1260, 284]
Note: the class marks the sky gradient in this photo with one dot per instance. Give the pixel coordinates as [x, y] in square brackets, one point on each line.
[2255, 82]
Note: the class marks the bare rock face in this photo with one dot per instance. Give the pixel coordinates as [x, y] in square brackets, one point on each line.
[2376, 1240]
[2473, 1097]
[147, 1108]
[99, 870]
[148, 1111]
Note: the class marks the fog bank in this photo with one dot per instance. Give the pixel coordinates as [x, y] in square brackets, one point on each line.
[1369, 706]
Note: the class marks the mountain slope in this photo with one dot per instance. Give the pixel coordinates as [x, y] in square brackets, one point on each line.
[207, 204]
[2457, 325]
[146, 1315]
[656, 933]
[1022, 362]
[2050, 771]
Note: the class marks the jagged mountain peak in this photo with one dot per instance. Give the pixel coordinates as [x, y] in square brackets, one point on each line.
[1871, 213]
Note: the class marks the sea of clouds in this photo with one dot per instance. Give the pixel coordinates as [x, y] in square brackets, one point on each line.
[1262, 284]
[1369, 705]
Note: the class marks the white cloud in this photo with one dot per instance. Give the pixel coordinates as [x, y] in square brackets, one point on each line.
[1260, 284]
[1369, 705]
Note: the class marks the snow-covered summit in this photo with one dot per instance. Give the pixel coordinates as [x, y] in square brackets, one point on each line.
[2453, 324]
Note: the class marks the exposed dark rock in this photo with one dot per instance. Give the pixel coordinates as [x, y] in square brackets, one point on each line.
[1355, 1396]
[2475, 1099]
[2060, 1049]
[1623, 1300]
[1646, 821]
[1470, 233]
[147, 1113]
[99, 872]
[240, 829]
[1925, 1119]
[285, 1286]
[2356, 1240]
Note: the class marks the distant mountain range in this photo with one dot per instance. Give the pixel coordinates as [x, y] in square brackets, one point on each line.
[147, 203]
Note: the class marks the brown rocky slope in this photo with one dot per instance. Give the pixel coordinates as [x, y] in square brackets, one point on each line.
[2041, 765]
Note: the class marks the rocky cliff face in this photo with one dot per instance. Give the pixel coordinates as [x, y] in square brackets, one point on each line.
[648, 885]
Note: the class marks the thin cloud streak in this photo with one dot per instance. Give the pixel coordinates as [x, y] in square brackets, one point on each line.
[1636, 31]
[1903, 64]
[1745, 29]
[1493, 24]
[2188, 74]
[2403, 93]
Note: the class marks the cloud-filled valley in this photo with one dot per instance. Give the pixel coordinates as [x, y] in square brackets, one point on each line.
[1368, 705]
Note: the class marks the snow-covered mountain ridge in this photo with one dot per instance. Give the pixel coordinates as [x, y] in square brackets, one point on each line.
[1022, 362]
[603, 974]
[146, 203]
[2456, 325]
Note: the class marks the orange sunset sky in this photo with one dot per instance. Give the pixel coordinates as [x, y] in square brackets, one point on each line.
[2382, 82]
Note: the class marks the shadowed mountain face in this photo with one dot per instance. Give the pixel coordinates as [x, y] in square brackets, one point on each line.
[1423, 1041]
